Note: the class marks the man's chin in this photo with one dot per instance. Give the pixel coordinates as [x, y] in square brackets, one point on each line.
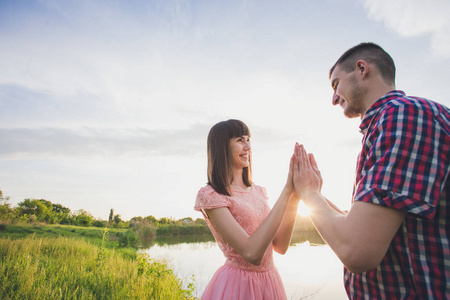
[351, 114]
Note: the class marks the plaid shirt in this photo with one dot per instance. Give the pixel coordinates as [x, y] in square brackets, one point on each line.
[404, 164]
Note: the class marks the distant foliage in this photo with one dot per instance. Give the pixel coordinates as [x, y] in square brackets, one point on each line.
[99, 223]
[6, 212]
[41, 211]
[83, 218]
[111, 217]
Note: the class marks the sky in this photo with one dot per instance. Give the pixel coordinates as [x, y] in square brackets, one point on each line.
[107, 104]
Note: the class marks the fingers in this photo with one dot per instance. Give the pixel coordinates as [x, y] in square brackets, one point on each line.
[306, 172]
[312, 160]
[315, 168]
[303, 157]
[296, 158]
[292, 164]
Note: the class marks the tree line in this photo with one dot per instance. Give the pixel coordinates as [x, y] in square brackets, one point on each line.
[44, 211]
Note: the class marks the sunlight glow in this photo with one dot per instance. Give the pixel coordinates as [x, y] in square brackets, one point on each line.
[303, 210]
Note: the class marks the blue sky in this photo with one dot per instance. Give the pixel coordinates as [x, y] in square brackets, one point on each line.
[107, 104]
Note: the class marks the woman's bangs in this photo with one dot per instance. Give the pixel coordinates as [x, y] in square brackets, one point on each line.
[238, 128]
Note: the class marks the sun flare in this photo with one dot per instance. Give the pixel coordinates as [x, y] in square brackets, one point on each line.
[303, 210]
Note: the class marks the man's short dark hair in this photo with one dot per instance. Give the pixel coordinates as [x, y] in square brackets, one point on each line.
[370, 52]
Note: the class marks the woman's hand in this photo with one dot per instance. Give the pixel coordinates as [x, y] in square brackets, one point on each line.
[307, 178]
[289, 187]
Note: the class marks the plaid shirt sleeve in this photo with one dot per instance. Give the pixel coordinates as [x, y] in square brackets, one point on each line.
[404, 165]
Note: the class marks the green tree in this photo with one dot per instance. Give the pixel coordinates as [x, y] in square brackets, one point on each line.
[136, 220]
[58, 208]
[166, 221]
[83, 218]
[151, 220]
[27, 207]
[61, 213]
[117, 219]
[6, 211]
[39, 209]
[119, 223]
[200, 221]
[111, 217]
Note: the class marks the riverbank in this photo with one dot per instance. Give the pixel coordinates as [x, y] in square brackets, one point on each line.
[69, 262]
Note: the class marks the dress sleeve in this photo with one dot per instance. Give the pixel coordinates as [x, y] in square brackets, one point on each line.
[404, 167]
[208, 198]
[263, 192]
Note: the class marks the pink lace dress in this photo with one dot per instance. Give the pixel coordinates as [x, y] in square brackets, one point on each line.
[237, 278]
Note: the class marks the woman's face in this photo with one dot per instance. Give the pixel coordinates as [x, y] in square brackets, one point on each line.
[240, 148]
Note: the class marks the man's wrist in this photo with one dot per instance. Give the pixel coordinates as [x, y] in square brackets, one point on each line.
[310, 197]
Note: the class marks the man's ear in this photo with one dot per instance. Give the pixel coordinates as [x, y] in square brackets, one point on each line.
[362, 67]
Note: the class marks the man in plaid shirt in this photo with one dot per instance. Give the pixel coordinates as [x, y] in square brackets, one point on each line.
[394, 241]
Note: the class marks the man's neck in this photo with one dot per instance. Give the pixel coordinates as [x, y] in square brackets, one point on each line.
[375, 95]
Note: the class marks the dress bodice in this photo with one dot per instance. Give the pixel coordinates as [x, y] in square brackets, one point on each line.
[249, 208]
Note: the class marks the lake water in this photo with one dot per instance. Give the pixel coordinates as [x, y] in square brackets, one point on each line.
[309, 269]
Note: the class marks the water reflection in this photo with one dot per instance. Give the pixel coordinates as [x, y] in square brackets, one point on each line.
[297, 238]
[177, 239]
[312, 237]
[309, 270]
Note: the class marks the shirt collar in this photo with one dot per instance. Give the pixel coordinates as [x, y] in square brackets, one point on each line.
[365, 122]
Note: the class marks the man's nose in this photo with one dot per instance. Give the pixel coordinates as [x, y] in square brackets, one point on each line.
[335, 99]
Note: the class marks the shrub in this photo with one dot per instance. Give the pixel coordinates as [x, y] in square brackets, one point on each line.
[128, 238]
[144, 230]
[99, 223]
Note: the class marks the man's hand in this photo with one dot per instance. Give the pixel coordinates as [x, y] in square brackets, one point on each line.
[307, 178]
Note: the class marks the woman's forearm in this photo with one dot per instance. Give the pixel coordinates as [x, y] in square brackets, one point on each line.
[261, 239]
[284, 235]
[251, 247]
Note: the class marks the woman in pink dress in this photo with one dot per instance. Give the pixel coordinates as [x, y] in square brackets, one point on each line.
[237, 212]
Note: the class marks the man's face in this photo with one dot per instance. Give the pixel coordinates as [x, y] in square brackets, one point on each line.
[347, 92]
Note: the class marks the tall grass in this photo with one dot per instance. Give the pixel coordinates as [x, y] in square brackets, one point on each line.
[73, 268]
[91, 234]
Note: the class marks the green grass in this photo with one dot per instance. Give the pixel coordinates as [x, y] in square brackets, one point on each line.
[40, 262]
[93, 234]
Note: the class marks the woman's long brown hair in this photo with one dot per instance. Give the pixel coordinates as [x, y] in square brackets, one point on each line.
[219, 165]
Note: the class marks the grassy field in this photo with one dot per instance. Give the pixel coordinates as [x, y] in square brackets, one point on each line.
[67, 262]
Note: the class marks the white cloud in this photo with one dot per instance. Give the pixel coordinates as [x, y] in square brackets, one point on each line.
[52, 142]
[411, 18]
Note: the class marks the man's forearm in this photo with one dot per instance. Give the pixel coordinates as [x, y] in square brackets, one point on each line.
[360, 238]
